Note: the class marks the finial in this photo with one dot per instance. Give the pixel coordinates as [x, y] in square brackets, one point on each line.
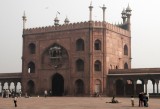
[128, 8]
[24, 19]
[91, 3]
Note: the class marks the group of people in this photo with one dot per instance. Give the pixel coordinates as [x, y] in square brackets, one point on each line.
[6, 93]
[143, 99]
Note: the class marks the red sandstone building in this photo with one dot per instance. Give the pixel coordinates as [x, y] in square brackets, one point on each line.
[79, 59]
[74, 58]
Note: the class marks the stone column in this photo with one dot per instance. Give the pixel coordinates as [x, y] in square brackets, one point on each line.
[2, 84]
[135, 83]
[145, 86]
[157, 87]
[9, 85]
[15, 84]
[124, 90]
[153, 87]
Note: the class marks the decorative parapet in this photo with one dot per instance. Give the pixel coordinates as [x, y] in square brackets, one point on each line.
[117, 29]
[73, 26]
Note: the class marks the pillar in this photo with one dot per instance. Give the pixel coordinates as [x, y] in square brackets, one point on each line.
[146, 86]
[103, 8]
[153, 87]
[135, 90]
[157, 87]
[9, 85]
[15, 87]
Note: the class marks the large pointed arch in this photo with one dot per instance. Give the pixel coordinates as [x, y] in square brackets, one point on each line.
[55, 56]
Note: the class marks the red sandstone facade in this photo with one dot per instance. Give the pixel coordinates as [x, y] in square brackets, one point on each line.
[74, 59]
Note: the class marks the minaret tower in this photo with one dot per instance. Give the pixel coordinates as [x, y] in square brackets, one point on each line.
[128, 14]
[124, 16]
[103, 8]
[66, 21]
[90, 12]
[56, 21]
[24, 20]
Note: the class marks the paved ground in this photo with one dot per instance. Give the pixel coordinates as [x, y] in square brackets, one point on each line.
[74, 103]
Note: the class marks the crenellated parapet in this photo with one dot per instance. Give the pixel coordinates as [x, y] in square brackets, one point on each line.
[71, 26]
[117, 29]
[78, 25]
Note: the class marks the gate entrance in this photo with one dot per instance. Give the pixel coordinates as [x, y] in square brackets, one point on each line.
[57, 85]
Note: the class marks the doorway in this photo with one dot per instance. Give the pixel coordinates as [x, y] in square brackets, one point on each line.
[57, 85]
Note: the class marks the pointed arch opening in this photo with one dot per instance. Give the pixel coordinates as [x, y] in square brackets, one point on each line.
[57, 85]
[32, 48]
[125, 50]
[97, 86]
[97, 65]
[97, 45]
[31, 88]
[129, 87]
[79, 87]
[80, 45]
[139, 86]
[80, 65]
[119, 87]
[125, 66]
[31, 67]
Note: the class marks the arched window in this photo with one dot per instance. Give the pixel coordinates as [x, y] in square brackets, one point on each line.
[80, 45]
[31, 67]
[80, 65]
[97, 45]
[125, 50]
[32, 48]
[125, 66]
[116, 67]
[97, 65]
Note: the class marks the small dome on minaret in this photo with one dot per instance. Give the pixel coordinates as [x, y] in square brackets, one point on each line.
[66, 21]
[128, 11]
[128, 8]
[56, 21]
[124, 15]
[123, 12]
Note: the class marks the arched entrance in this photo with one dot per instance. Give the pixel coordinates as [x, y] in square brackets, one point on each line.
[31, 88]
[57, 85]
[119, 88]
[79, 87]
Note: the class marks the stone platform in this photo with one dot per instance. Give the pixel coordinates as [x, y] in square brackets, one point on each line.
[74, 103]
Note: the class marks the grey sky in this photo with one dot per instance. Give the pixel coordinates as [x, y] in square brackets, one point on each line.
[145, 25]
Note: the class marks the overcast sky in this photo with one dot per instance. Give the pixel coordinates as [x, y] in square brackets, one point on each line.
[145, 28]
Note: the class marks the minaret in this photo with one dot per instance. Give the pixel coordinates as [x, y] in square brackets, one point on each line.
[90, 12]
[128, 14]
[103, 8]
[24, 20]
[66, 21]
[124, 15]
[56, 21]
